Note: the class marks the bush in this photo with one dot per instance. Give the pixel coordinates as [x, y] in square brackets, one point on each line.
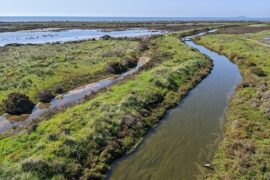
[115, 68]
[17, 104]
[152, 100]
[130, 62]
[106, 37]
[148, 102]
[167, 83]
[59, 90]
[131, 101]
[143, 46]
[42, 168]
[258, 71]
[38, 165]
[251, 64]
[45, 96]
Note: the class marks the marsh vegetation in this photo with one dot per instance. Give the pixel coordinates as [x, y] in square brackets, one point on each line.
[30, 69]
[83, 140]
[244, 151]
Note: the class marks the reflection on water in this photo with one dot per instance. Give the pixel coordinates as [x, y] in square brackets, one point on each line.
[187, 136]
[53, 35]
[69, 98]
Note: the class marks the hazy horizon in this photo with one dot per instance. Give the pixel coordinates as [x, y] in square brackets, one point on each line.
[125, 19]
[137, 16]
[138, 8]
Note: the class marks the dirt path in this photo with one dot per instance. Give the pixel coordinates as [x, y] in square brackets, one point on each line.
[258, 42]
[144, 59]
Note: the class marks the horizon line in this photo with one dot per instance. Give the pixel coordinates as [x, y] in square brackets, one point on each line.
[137, 16]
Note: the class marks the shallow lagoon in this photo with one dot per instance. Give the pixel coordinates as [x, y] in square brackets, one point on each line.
[42, 36]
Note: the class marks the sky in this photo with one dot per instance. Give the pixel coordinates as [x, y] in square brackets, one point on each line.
[136, 8]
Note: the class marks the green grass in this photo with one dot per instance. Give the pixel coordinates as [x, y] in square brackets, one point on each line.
[244, 151]
[31, 68]
[259, 37]
[85, 139]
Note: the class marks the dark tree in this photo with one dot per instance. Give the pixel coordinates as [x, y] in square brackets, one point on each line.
[59, 90]
[115, 68]
[106, 37]
[45, 96]
[17, 104]
[130, 62]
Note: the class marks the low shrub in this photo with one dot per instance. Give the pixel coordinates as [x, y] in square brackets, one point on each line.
[167, 83]
[251, 64]
[131, 100]
[59, 90]
[143, 45]
[17, 104]
[115, 68]
[147, 102]
[258, 71]
[45, 96]
[233, 56]
[152, 100]
[106, 37]
[130, 62]
[41, 168]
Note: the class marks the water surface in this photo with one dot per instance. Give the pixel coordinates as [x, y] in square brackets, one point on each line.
[186, 138]
[41, 36]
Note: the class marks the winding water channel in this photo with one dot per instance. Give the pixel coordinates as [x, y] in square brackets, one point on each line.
[187, 137]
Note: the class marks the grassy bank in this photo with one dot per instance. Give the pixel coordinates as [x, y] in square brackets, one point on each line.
[244, 151]
[83, 141]
[29, 69]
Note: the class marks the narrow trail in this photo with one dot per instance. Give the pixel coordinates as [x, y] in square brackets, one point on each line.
[258, 42]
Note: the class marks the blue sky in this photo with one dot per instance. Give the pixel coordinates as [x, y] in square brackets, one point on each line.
[142, 8]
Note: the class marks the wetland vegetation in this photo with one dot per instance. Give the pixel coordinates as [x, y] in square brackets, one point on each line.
[244, 151]
[83, 140]
[30, 69]
[170, 26]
